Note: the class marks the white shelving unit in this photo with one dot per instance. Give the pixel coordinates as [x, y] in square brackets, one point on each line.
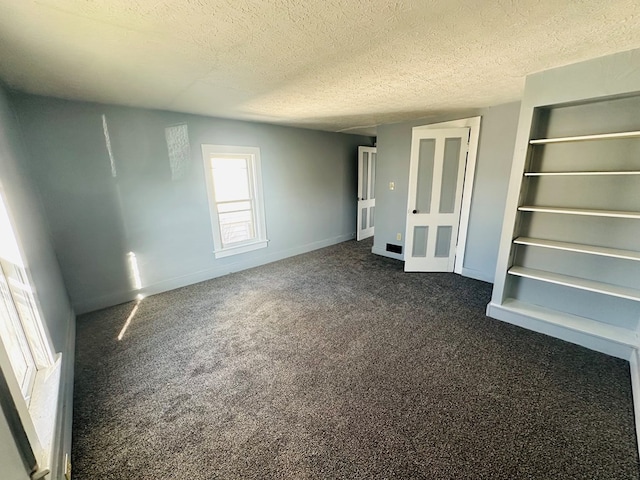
[574, 323]
[580, 211]
[576, 282]
[579, 174]
[586, 138]
[579, 248]
[551, 266]
[566, 318]
[569, 257]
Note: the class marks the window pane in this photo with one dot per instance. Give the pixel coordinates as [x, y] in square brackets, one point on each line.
[14, 339]
[420, 235]
[443, 241]
[236, 227]
[363, 219]
[365, 175]
[236, 206]
[426, 158]
[372, 216]
[231, 179]
[449, 175]
[372, 187]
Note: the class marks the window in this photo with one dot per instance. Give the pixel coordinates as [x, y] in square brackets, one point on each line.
[20, 325]
[234, 184]
[26, 350]
[15, 341]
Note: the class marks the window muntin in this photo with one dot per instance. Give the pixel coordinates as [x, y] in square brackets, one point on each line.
[235, 198]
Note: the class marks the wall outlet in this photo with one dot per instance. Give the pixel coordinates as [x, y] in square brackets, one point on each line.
[398, 236]
[67, 467]
[392, 185]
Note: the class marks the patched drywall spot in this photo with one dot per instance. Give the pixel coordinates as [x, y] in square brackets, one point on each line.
[177, 137]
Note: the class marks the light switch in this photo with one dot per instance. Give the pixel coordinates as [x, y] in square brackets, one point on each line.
[392, 185]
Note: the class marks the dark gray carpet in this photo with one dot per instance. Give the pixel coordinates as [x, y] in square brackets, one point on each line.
[338, 365]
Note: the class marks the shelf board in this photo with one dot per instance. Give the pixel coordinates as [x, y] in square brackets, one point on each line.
[580, 174]
[584, 138]
[579, 248]
[575, 282]
[581, 211]
[576, 323]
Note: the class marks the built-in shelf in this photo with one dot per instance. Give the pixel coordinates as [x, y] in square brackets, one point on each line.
[581, 211]
[580, 174]
[579, 248]
[585, 138]
[575, 282]
[576, 323]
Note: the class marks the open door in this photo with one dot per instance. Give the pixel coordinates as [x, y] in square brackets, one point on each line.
[436, 178]
[366, 191]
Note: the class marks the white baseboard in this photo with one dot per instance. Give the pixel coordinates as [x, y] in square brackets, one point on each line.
[634, 367]
[592, 342]
[203, 275]
[384, 253]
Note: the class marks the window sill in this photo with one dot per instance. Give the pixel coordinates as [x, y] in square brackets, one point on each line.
[43, 412]
[247, 247]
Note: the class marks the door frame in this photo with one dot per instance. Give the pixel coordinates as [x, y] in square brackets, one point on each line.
[470, 169]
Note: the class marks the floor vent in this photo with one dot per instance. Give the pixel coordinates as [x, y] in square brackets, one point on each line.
[394, 248]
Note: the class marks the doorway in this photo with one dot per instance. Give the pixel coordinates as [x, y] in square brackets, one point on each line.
[366, 192]
[442, 169]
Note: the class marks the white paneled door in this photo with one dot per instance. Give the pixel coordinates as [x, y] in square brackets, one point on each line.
[366, 191]
[436, 178]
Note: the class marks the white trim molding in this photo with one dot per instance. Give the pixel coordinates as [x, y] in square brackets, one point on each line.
[579, 330]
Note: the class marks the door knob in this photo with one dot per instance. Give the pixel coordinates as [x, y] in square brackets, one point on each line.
[415, 211]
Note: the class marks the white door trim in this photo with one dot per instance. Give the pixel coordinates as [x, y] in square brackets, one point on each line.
[474, 124]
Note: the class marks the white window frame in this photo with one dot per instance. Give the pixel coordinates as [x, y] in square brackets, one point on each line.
[37, 406]
[252, 154]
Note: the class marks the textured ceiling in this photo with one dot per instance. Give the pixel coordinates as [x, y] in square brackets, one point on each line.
[341, 65]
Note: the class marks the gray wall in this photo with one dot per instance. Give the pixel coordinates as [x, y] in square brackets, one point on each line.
[31, 229]
[495, 153]
[38, 254]
[309, 180]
